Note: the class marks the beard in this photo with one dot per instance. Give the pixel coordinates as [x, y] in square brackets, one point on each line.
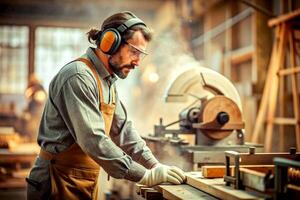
[118, 70]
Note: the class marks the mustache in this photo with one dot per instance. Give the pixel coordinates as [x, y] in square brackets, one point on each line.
[128, 66]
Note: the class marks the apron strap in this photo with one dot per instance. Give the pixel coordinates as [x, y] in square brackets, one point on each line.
[113, 96]
[46, 155]
[91, 66]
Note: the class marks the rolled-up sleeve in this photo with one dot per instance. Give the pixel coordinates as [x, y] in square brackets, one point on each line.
[126, 137]
[78, 104]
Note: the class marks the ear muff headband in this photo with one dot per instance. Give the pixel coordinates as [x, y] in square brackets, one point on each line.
[111, 38]
[130, 23]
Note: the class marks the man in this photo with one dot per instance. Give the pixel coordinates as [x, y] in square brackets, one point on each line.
[84, 124]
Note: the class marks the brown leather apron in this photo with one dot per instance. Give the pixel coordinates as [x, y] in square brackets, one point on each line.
[74, 175]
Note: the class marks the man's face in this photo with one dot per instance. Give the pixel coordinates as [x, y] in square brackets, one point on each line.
[129, 55]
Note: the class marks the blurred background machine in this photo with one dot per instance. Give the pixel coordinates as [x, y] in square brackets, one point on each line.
[212, 121]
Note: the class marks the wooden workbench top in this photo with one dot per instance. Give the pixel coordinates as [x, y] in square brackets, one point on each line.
[217, 188]
[198, 187]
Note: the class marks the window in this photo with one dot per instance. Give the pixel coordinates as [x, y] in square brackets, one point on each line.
[55, 47]
[13, 59]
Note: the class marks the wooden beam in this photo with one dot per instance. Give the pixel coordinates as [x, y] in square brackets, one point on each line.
[293, 187]
[295, 87]
[288, 71]
[13, 183]
[12, 158]
[253, 179]
[241, 58]
[22, 153]
[262, 45]
[48, 22]
[281, 120]
[213, 171]
[31, 50]
[219, 171]
[240, 55]
[284, 18]
[260, 158]
[80, 11]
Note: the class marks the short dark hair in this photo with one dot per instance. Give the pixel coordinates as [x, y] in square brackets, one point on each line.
[115, 21]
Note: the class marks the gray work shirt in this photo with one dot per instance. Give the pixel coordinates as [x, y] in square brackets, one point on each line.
[72, 114]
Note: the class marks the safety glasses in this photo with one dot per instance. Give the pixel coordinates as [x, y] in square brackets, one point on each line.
[136, 52]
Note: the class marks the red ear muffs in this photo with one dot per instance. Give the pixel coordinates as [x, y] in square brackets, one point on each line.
[110, 41]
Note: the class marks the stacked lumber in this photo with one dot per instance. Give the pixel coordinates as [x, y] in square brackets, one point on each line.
[9, 139]
[15, 164]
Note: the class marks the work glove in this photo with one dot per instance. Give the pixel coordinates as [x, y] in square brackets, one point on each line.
[163, 173]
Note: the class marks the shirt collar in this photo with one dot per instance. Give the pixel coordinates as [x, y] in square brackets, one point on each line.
[101, 69]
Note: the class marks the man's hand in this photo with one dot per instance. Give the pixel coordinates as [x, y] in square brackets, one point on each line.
[163, 173]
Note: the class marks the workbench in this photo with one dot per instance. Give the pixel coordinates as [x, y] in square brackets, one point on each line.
[197, 187]
[15, 165]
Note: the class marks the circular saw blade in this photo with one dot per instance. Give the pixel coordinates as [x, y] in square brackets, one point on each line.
[209, 113]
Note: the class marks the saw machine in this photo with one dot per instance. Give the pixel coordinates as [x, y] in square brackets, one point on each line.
[213, 115]
[230, 167]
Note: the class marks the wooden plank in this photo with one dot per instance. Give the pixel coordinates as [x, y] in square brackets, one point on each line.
[284, 18]
[281, 111]
[213, 171]
[293, 187]
[13, 183]
[242, 57]
[219, 171]
[153, 195]
[225, 68]
[214, 155]
[19, 173]
[144, 189]
[274, 86]
[138, 188]
[147, 192]
[262, 158]
[23, 153]
[217, 188]
[17, 158]
[253, 179]
[281, 120]
[296, 101]
[187, 192]
[288, 71]
[141, 189]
